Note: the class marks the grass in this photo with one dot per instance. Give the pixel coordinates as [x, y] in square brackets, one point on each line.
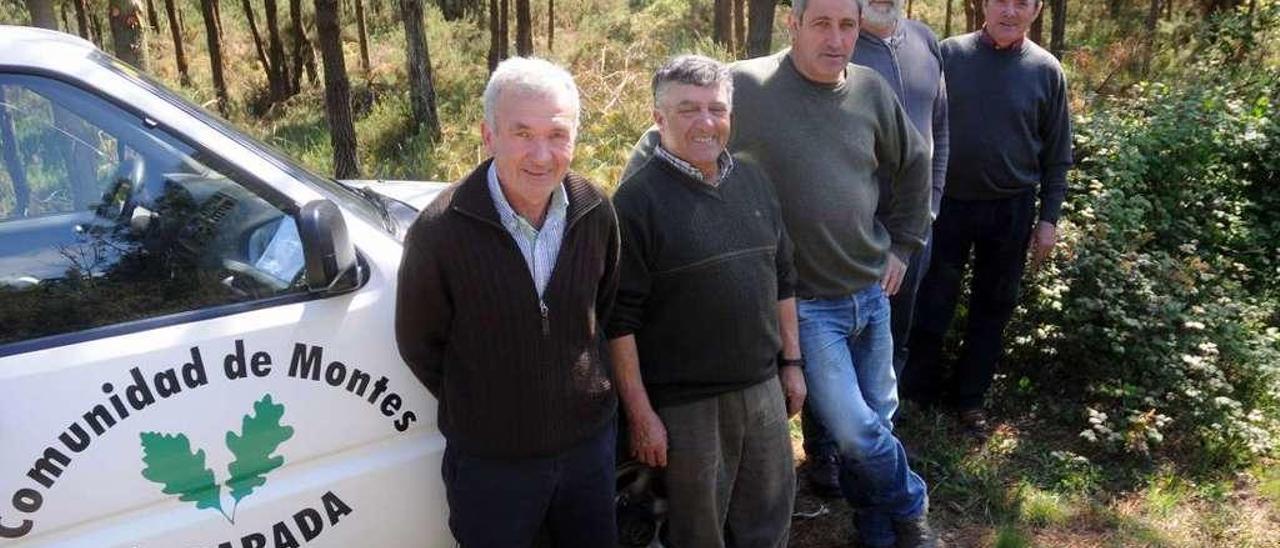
[1026, 486]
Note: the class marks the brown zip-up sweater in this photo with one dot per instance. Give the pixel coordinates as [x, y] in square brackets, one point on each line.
[512, 380]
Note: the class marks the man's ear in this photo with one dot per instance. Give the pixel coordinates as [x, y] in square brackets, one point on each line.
[793, 25]
[658, 119]
[487, 136]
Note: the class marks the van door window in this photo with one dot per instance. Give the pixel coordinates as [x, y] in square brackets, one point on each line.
[105, 219]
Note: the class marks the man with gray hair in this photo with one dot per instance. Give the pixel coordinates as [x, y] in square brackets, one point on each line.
[704, 337]
[906, 54]
[505, 279]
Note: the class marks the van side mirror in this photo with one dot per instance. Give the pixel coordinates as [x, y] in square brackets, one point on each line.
[331, 264]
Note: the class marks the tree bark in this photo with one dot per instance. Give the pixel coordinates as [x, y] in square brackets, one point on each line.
[304, 55]
[551, 25]
[99, 37]
[363, 36]
[1058, 40]
[179, 51]
[739, 28]
[947, 26]
[267, 68]
[722, 30]
[62, 14]
[153, 17]
[213, 35]
[504, 34]
[42, 14]
[128, 34]
[760, 28]
[82, 19]
[494, 27]
[911, 6]
[337, 91]
[13, 162]
[422, 91]
[279, 75]
[524, 29]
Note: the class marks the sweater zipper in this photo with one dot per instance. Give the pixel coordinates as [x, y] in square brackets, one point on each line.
[543, 309]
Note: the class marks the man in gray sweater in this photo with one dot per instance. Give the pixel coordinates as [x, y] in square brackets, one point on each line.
[1011, 142]
[906, 54]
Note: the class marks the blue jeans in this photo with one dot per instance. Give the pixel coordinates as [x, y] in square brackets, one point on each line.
[848, 350]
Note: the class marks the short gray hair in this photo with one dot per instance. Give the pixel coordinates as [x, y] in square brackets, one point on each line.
[797, 8]
[529, 75]
[693, 70]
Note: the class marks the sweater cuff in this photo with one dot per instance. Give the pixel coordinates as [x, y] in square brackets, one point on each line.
[902, 251]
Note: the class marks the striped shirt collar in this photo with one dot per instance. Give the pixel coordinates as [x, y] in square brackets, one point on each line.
[724, 164]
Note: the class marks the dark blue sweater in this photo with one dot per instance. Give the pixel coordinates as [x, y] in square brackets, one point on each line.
[1010, 127]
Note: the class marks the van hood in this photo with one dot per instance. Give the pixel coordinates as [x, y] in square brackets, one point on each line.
[416, 194]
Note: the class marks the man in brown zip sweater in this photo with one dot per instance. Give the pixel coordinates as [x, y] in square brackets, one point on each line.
[505, 282]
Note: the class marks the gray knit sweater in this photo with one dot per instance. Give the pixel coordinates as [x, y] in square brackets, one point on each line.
[1010, 128]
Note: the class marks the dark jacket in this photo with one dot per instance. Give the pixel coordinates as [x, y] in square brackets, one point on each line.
[512, 379]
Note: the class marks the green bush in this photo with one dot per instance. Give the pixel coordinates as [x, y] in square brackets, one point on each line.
[1159, 330]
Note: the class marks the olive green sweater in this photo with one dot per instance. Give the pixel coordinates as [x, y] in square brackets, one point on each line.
[821, 146]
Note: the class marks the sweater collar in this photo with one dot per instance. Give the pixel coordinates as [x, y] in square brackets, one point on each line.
[893, 41]
[985, 38]
[789, 67]
[472, 196]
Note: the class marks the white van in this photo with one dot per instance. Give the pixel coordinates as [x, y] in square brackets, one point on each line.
[196, 340]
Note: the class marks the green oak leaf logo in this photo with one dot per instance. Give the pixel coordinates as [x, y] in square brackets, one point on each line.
[169, 460]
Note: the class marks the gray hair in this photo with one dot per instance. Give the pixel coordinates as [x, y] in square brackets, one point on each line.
[531, 76]
[693, 70]
[798, 6]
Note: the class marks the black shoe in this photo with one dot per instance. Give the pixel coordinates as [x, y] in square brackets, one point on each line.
[915, 532]
[823, 473]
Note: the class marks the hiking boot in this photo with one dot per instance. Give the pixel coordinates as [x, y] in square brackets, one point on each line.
[823, 473]
[974, 422]
[914, 532]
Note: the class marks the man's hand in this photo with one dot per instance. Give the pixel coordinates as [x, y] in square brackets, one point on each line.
[893, 273]
[649, 439]
[793, 388]
[1042, 241]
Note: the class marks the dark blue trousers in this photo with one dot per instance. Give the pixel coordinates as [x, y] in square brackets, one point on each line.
[506, 503]
[993, 234]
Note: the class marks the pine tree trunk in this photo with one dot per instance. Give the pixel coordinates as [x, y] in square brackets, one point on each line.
[422, 91]
[13, 162]
[1153, 17]
[303, 54]
[722, 28]
[911, 4]
[42, 14]
[82, 19]
[524, 29]
[337, 91]
[947, 26]
[153, 17]
[213, 34]
[739, 28]
[760, 28]
[551, 25]
[363, 36]
[128, 34]
[99, 36]
[494, 27]
[1058, 38]
[504, 34]
[279, 75]
[179, 51]
[257, 39]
